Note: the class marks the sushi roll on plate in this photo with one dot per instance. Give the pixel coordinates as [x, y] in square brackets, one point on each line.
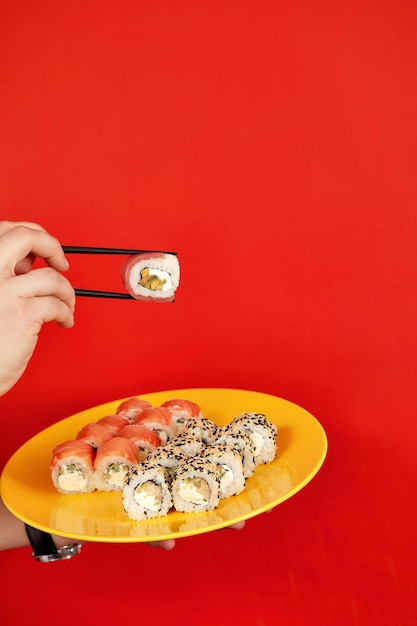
[241, 440]
[228, 461]
[195, 486]
[158, 419]
[131, 408]
[113, 459]
[262, 433]
[114, 423]
[72, 467]
[145, 439]
[182, 410]
[94, 434]
[146, 492]
[200, 428]
[169, 456]
[189, 444]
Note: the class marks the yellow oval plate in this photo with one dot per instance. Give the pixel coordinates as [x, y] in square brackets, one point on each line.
[28, 492]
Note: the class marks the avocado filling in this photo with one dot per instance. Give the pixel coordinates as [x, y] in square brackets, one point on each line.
[115, 474]
[154, 279]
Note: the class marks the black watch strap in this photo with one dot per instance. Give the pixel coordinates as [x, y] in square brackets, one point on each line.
[45, 550]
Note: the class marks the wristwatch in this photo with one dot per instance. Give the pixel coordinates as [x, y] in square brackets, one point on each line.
[45, 550]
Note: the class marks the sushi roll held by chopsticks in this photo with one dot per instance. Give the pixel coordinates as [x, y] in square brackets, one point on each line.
[151, 276]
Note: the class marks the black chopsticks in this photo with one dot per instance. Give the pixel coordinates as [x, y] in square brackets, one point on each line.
[91, 250]
[103, 294]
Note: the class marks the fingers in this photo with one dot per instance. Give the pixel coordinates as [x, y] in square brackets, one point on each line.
[24, 266]
[237, 526]
[21, 242]
[6, 225]
[50, 309]
[49, 294]
[168, 544]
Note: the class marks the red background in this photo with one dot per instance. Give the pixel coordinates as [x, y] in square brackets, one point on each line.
[273, 145]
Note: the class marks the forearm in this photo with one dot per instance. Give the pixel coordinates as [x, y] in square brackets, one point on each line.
[12, 530]
[13, 534]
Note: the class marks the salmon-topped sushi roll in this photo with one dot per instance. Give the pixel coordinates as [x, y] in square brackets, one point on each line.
[113, 459]
[182, 410]
[94, 434]
[132, 407]
[72, 467]
[114, 423]
[145, 439]
[159, 419]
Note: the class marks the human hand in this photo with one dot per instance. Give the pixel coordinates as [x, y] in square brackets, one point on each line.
[237, 526]
[169, 544]
[29, 297]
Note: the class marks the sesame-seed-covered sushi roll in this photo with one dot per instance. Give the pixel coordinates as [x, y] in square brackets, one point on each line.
[195, 486]
[228, 461]
[151, 276]
[146, 492]
[242, 441]
[169, 456]
[113, 459]
[200, 428]
[72, 467]
[262, 433]
[190, 445]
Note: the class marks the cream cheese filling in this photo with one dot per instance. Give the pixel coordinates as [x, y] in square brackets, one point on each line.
[194, 490]
[71, 478]
[257, 441]
[148, 495]
[226, 476]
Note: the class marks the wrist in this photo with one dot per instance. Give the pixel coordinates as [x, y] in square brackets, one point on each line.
[46, 550]
[60, 542]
